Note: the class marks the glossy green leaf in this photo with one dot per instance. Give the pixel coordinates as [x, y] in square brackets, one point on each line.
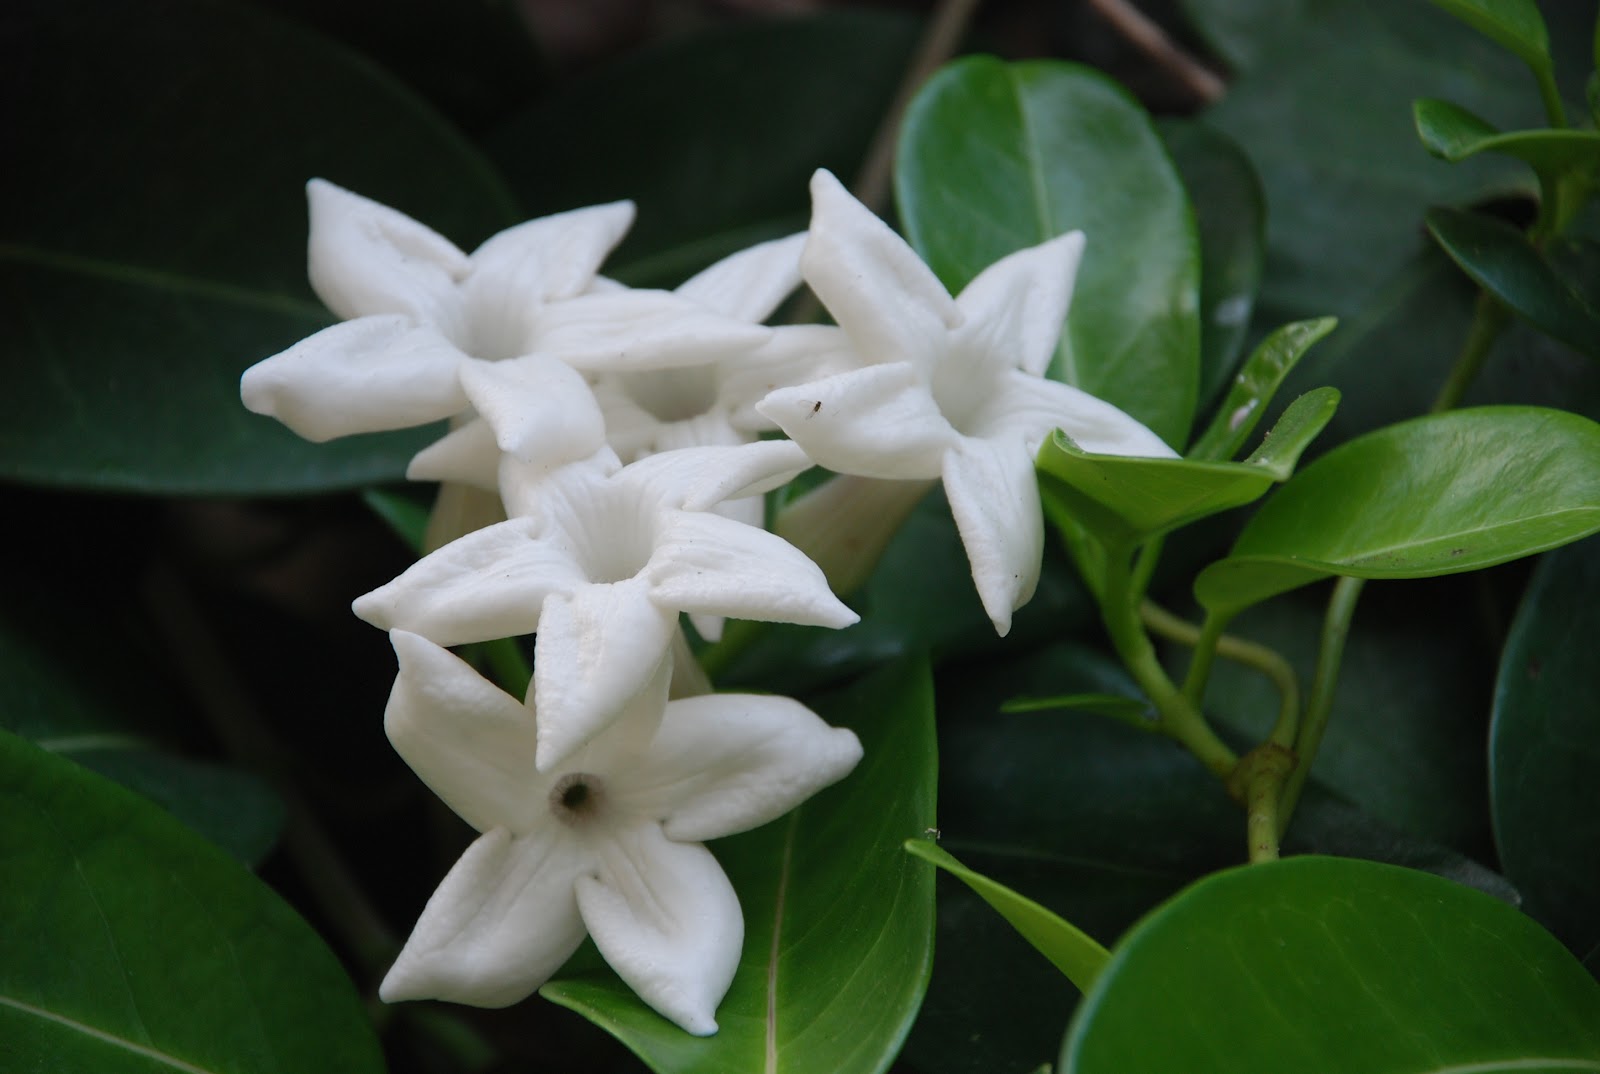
[1515, 25]
[714, 135]
[1544, 747]
[1066, 946]
[1255, 385]
[1329, 965]
[1123, 499]
[155, 230]
[1231, 214]
[132, 944]
[1502, 261]
[838, 919]
[995, 157]
[1441, 494]
[1452, 133]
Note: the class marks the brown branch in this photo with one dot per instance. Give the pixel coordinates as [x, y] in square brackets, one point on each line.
[1145, 35]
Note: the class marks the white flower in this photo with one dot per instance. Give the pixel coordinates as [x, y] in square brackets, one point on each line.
[600, 565]
[416, 309]
[609, 844]
[955, 387]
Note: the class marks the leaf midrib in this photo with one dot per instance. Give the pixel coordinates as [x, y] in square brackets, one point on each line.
[1347, 559]
[99, 1034]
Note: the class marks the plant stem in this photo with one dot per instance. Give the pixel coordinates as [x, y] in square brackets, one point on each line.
[1330, 653]
[1150, 39]
[1489, 318]
[1550, 94]
[1267, 767]
[1248, 653]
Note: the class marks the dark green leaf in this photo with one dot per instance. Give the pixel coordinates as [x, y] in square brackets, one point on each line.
[1333, 965]
[1230, 212]
[131, 944]
[1515, 25]
[1454, 134]
[155, 227]
[1544, 747]
[1502, 261]
[838, 919]
[1254, 387]
[713, 135]
[1072, 952]
[1121, 499]
[1437, 495]
[995, 157]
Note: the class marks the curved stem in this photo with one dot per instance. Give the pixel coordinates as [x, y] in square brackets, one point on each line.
[1489, 318]
[1250, 654]
[1550, 94]
[1335, 629]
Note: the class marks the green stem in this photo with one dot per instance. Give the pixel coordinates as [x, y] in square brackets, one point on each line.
[1258, 657]
[1324, 684]
[1550, 94]
[1489, 318]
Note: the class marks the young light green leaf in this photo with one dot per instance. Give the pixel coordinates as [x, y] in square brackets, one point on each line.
[1066, 946]
[1544, 746]
[1440, 494]
[1255, 385]
[994, 157]
[1122, 499]
[1514, 25]
[1452, 133]
[133, 945]
[1324, 958]
[838, 921]
[1502, 261]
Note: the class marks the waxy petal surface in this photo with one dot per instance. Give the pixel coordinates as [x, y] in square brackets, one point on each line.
[1027, 408]
[541, 410]
[1015, 308]
[994, 497]
[750, 284]
[631, 329]
[880, 421]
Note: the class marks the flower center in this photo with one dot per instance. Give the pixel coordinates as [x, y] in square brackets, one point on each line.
[672, 394]
[577, 798]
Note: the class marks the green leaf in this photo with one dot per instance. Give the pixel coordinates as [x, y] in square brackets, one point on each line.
[1452, 133]
[1067, 947]
[1255, 385]
[838, 920]
[1329, 965]
[1136, 711]
[131, 944]
[995, 157]
[155, 231]
[1502, 261]
[713, 135]
[1544, 747]
[1122, 499]
[1231, 214]
[1440, 494]
[1515, 25]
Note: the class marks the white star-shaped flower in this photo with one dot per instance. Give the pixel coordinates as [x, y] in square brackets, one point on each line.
[416, 310]
[954, 388]
[608, 844]
[600, 565]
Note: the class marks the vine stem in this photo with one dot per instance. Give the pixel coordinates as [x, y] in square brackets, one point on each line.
[1264, 659]
[1489, 318]
[1330, 653]
[1148, 37]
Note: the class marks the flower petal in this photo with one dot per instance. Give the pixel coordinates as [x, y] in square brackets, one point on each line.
[880, 421]
[504, 919]
[1015, 308]
[994, 497]
[665, 917]
[467, 454]
[1026, 408]
[707, 563]
[360, 376]
[548, 259]
[750, 284]
[699, 478]
[599, 645]
[891, 305]
[794, 354]
[634, 329]
[726, 763]
[541, 410]
[488, 584]
[469, 740]
[366, 258]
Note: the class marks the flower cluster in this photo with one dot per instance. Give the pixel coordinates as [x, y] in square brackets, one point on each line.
[621, 430]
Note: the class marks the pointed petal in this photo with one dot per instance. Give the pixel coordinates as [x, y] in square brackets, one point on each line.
[504, 919]
[699, 478]
[360, 376]
[525, 486]
[488, 584]
[750, 284]
[665, 917]
[598, 646]
[366, 258]
[541, 410]
[726, 763]
[890, 304]
[1026, 408]
[630, 428]
[994, 497]
[470, 741]
[551, 258]
[880, 421]
[467, 454]
[795, 354]
[1015, 308]
[706, 563]
[636, 329]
